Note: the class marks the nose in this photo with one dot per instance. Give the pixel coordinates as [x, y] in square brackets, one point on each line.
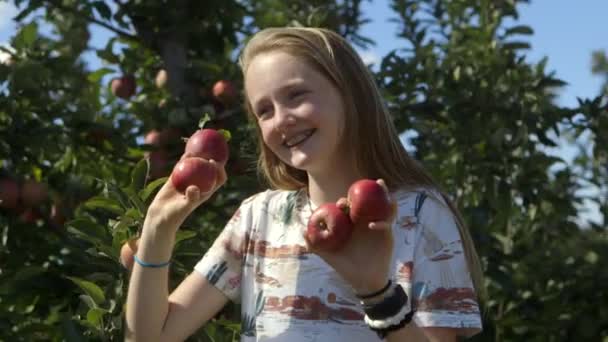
[283, 119]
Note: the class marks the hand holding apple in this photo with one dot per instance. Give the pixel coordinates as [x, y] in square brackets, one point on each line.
[198, 174]
[364, 259]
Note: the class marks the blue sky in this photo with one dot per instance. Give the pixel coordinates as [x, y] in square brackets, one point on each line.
[565, 33]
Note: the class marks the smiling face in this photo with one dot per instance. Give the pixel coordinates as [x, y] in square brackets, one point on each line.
[299, 112]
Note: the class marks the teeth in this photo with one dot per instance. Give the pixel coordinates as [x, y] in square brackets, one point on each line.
[298, 138]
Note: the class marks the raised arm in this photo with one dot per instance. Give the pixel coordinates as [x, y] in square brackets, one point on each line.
[151, 313]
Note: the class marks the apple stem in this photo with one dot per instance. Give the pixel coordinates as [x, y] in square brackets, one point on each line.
[203, 121]
[346, 209]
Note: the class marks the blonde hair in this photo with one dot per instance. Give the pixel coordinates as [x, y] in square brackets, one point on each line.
[381, 154]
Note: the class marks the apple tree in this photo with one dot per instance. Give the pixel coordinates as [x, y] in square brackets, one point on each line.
[95, 98]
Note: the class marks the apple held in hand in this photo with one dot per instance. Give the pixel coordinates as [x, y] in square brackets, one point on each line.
[193, 171]
[208, 144]
[368, 202]
[329, 227]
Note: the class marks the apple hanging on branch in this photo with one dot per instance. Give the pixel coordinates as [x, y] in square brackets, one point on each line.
[9, 193]
[127, 251]
[224, 92]
[123, 87]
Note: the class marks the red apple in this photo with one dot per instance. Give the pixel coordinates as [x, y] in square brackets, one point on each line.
[57, 217]
[224, 91]
[161, 78]
[33, 193]
[97, 135]
[127, 251]
[193, 171]
[170, 136]
[159, 160]
[123, 87]
[9, 193]
[368, 202]
[152, 138]
[29, 215]
[164, 137]
[208, 144]
[329, 227]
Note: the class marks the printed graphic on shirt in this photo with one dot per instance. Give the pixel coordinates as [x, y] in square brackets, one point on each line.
[288, 293]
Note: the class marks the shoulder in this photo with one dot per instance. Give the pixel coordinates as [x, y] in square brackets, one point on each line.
[428, 209]
[419, 201]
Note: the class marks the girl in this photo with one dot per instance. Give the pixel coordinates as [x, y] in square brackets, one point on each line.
[321, 126]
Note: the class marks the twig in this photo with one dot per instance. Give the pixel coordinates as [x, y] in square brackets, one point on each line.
[91, 19]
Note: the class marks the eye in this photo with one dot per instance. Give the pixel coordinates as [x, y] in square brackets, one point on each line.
[263, 112]
[296, 93]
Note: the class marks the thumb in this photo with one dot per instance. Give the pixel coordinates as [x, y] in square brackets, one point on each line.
[193, 194]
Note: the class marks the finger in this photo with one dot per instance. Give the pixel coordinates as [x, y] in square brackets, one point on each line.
[193, 193]
[186, 155]
[221, 175]
[394, 210]
[307, 242]
[382, 183]
[342, 203]
[379, 225]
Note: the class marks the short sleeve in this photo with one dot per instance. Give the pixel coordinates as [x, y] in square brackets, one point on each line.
[222, 264]
[442, 290]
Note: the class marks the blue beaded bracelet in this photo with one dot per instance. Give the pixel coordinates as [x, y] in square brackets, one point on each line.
[147, 264]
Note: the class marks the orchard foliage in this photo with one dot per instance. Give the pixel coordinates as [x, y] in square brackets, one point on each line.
[84, 148]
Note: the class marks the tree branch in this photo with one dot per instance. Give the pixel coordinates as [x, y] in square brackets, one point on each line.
[56, 5]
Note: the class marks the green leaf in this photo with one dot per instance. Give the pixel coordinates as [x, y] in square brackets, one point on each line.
[226, 134]
[138, 175]
[64, 163]
[23, 14]
[105, 203]
[117, 193]
[103, 10]
[88, 230]
[516, 45]
[520, 29]
[96, 76]
[182, 235]
[107, 54]
[90, 288]
[28, 272]
[203, 121]
[70, 331]
[150, 188]
[88, 301]
[95, 316]
[27, 36]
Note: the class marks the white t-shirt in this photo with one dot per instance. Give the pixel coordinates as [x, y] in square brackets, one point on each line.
[289, 294]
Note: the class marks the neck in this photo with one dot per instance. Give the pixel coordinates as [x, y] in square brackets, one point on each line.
[329, 186]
